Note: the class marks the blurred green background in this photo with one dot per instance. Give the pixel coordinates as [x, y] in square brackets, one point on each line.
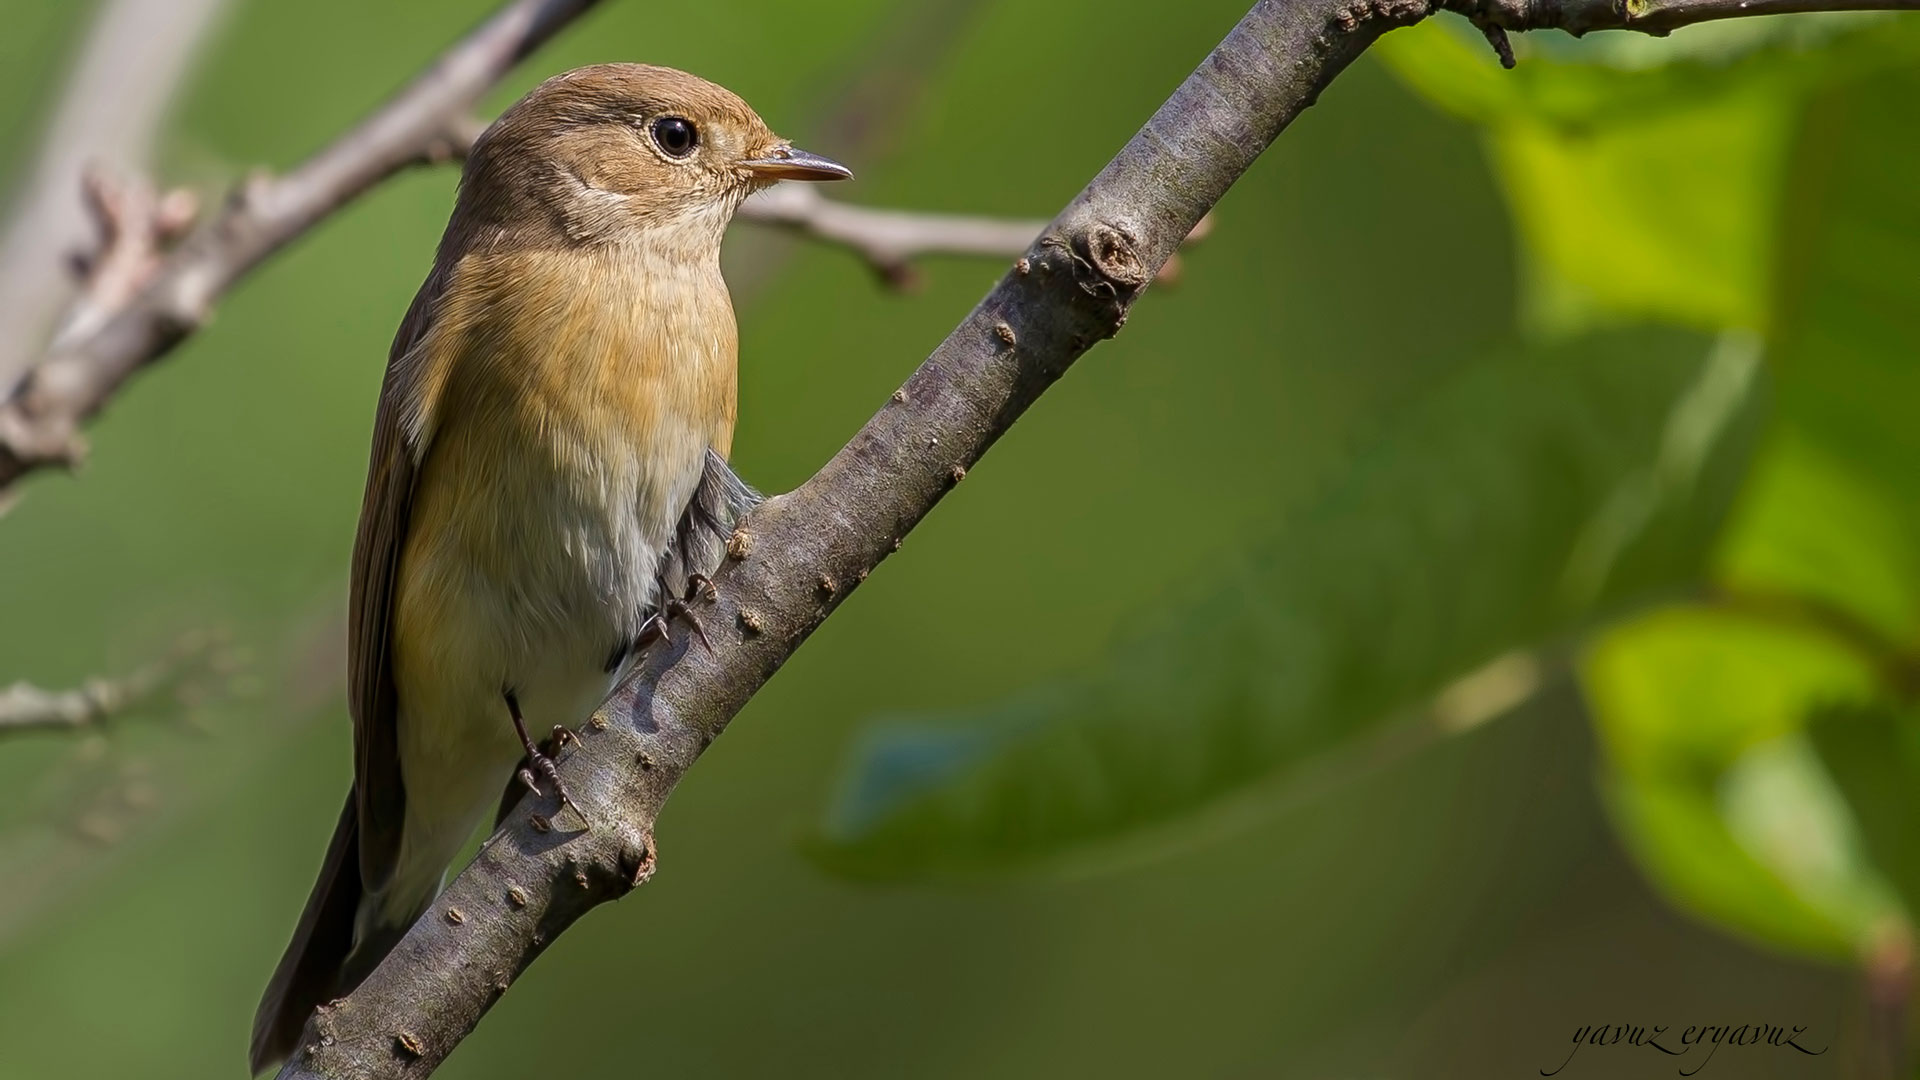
[1478, 601]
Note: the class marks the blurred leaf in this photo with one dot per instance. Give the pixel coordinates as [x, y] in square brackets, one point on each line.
[1810, 527]
[1705, 715]
[1874, 757]
[1667, 218]
[1711, 781]
[1535, 491]
[1848, 326]
[1644, 178]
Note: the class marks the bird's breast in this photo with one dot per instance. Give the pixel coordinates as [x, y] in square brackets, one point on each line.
[576, 399]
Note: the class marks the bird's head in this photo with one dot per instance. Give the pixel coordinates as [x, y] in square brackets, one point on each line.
[616, 152]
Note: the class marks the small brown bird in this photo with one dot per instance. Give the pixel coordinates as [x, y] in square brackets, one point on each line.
[548, 457]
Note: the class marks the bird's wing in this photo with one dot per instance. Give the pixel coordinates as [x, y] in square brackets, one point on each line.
[393, 466]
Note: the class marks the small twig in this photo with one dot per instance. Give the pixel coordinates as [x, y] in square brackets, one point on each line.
[135, 226]
[25, 707]
[889, 240]
[116, 96]
[1656, 17]
[1497, 38]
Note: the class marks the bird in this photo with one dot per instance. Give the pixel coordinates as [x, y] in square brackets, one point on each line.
[549, 464]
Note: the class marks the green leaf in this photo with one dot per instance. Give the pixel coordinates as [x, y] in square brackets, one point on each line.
[1713, 774]
[1533, 493]
[1712, 783]
[1645, 177]
[1810, 527]
[1667, 218]
[1848, 331]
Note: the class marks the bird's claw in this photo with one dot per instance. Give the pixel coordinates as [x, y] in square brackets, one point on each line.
[652, 631]
[540, 761]
[678, 609]
[673, 607]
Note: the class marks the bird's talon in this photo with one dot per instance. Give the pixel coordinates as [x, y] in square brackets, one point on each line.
[701, 585]
[539, 761]
[678, 609]
[652, 631]
[552, 772]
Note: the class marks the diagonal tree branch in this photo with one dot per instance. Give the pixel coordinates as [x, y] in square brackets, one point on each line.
[798, 556]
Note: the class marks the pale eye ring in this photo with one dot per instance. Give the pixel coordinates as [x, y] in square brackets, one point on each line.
[675, 136]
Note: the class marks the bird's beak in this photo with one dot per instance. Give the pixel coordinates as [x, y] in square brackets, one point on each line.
[788, 163]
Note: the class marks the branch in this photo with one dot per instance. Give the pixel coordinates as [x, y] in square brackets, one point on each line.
[889, 240]
[25, 707]
[1656, 17]
[798, 556]
[116, 94]
[41, 415]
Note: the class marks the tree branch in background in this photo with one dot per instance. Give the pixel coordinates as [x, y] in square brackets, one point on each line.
[1655, 17]
[134, 225]
[134, 58]
[798, 556]
[890, 240]
[26, 708]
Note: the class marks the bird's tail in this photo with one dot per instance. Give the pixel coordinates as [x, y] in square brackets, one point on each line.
[309, 974]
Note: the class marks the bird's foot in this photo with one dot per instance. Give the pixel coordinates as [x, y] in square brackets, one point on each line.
[676, 608]
[681, 607]
[540, 759]
[653, 631]
[656, 629]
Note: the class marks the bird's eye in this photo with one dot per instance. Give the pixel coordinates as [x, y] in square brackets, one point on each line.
[675, 136]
